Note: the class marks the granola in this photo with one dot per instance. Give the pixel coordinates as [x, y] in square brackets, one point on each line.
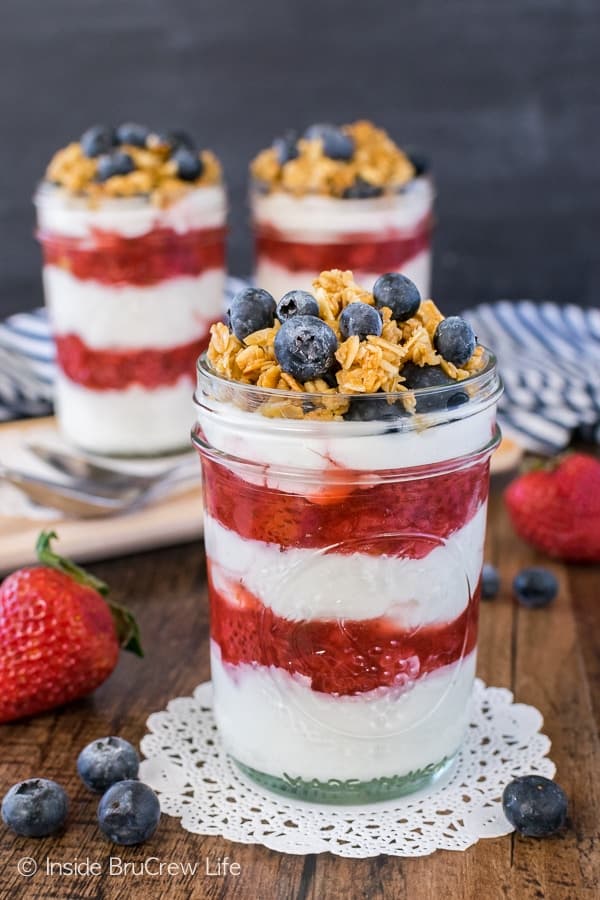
[376, 160]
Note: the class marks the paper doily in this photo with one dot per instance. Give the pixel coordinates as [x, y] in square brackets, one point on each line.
[198, 783]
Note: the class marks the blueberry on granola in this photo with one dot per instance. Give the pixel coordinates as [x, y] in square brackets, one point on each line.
[360, 319]
[133, 134]
[97, 140]
[305, 347]
[115, 163]
[455, 340]
[336, 144]
[286, 147]
[399, 293]
[250, 310]
[374, 409]
[418, 377]
[296, 303]
[189, 165]
[361, 189]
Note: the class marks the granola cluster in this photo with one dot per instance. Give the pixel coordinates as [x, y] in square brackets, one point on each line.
[363, 366]
[155, 174]
[376, 160]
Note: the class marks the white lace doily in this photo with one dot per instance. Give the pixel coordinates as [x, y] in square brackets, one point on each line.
[197, 782]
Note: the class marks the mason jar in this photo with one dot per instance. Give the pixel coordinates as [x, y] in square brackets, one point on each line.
[131, 290]
[344, 566]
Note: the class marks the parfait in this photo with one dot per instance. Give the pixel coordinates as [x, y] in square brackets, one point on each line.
[345, 437]
[347, 197]
[132, 228]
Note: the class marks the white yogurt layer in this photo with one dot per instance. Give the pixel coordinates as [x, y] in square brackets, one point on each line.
[275, 723]
[278, 280]
[278, 446]
[135, 421]
[304, 584]
[172, 312]
[315, 219]
[61, 213]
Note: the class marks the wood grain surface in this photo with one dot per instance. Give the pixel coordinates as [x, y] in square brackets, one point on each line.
[550, 658]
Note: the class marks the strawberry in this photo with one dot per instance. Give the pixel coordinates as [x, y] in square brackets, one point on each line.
[558, 509]
[59, 637]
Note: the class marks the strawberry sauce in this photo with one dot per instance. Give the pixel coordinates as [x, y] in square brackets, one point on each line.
[110, 258]
[104, 370]
[341, 657]
[395, 517]
[387, 252]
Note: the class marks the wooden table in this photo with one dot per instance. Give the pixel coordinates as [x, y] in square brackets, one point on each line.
[550, 658]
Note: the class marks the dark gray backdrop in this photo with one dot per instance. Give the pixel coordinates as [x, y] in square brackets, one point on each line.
[504, 94]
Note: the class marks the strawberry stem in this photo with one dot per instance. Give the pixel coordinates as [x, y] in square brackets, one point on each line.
[127, 628]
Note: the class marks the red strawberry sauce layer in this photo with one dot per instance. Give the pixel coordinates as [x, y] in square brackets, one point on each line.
[338, 656]
[388, 517]
[386, 252]
[110, 258]
[104, 370]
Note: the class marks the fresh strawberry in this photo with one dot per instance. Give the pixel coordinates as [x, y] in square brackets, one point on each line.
[59, 637]
[558, 509]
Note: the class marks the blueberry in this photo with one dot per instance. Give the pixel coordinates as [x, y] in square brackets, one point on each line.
[296, 303]
[97, 140]
[106, 761]
[179, 138]
[455, 340]
[286, 147]
[336, 144]
[115, 163]
[129, 812]
[362, 190]
[373, 409]
[170, 140]
[132, 133]
[535, 806]
[305, 347]
[399, 293]
[361, 319]
[420, 162]
[35, 808]
[250, 310]
[420, 377]
[535, 587]
[490, 582]
[189, 165]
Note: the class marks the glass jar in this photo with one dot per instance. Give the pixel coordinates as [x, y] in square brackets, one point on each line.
[296, 238]
[344, 564]
[131, 291]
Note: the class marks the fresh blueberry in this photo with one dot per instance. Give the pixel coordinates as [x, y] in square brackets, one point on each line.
[490, 582]
[420, 377]
[361, 319]
[170, 140]
[189, 165]
[305, 347]
[455, 340]
[286, 147]
[362, 190]
[35, 808]
[535, 587]
[132, 133]
[129, 812]
[179, 138]
[106, 761]
[296, 303]
[336, 144]
[97, 140]
[421, 163]
[535, 806]
[373, 409]
[115, 163]
[398, 293]
[250, 310]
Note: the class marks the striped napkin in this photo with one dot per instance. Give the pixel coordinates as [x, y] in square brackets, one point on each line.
[548, 355]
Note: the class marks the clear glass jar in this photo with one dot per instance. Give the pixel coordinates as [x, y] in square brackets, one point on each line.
[131, 291]
[344, 563]
[296, 238]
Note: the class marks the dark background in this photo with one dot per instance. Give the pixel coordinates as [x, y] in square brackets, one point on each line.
[504, 95]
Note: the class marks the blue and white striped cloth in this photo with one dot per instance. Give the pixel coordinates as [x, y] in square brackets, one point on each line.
[549, 358]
